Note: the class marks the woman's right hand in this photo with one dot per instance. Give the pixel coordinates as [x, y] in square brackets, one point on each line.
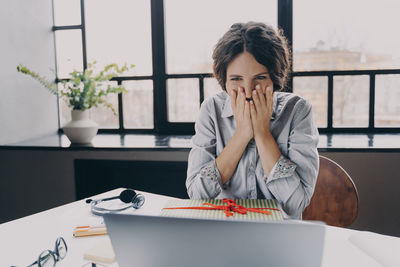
[241, 112]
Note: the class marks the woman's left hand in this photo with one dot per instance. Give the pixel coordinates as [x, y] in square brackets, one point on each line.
[261, 111]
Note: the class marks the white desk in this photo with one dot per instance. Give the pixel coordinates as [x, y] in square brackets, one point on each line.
[22, 240]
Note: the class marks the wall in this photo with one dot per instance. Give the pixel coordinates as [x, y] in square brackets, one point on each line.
[47, 180]
[27, 110]
[377, 179]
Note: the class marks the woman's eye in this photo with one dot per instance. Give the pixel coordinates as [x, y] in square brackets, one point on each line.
[261, 77]
[235, 79]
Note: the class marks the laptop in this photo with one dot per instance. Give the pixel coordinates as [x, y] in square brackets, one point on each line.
[150, 241]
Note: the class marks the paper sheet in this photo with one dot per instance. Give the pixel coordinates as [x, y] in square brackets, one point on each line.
[382, 248]
[101, 252]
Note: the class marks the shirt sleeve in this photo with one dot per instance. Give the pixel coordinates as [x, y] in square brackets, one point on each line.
[292, 179]
[203, 178]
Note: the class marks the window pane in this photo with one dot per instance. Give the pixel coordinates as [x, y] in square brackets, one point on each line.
[183, 100]
[67, 12]
[192, 28]
[69, 52]
[101, 115]
[211, 87]
[345, 35]
[104, 115]
[315, 90]
[119, 32]
[138, 104]
[350, 101]
[387, 105]
[65, 111]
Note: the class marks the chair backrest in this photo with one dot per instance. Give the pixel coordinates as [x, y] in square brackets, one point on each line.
[335, 199]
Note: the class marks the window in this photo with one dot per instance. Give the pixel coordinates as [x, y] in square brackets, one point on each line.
[192, 28]
[344, 62]
[356, 53]
[345, 35]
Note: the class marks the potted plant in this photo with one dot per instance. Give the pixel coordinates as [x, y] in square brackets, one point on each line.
[84, 90]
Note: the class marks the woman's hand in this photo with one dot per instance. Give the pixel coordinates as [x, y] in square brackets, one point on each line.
[261, 110]
[241, 112]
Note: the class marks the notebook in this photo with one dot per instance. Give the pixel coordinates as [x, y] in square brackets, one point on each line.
[270, 205]
[102, 252]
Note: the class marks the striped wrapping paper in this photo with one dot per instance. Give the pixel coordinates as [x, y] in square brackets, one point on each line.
[219, 214]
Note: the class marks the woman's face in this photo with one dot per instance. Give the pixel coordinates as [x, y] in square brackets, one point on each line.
[245, 72]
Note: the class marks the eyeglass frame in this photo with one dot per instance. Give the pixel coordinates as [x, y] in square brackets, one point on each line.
[55, 254]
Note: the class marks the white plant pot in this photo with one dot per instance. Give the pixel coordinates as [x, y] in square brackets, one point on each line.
[80, 130]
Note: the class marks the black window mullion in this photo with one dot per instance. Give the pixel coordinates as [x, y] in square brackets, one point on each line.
[120, 110]
[83, 34]
[158, 59]
[330, 101]
[285, 22]
[69, 27]
[201, 87]
[371, 124]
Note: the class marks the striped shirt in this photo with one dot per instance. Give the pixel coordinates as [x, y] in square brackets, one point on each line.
[292, 179]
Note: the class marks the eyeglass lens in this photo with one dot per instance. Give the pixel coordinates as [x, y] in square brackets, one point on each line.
[60, 249]
[47, 259]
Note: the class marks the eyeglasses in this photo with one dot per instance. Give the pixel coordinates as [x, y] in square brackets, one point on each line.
[49, 258]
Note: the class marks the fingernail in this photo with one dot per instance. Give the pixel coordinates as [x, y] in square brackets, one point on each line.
[251, 102]
[254, 92]
[258, 86]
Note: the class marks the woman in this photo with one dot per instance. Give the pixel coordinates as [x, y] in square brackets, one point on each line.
[253, 141]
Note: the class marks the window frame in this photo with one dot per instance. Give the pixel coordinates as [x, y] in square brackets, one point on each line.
[160, 77]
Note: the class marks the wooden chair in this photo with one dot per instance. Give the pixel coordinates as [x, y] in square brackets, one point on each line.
[335, 199]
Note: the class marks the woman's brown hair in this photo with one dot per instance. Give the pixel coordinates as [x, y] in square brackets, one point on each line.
[268, 47]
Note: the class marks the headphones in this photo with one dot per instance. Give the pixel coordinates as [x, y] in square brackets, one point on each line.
[126, 196]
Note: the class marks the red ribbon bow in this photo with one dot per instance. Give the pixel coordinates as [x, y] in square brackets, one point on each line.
[229, 209]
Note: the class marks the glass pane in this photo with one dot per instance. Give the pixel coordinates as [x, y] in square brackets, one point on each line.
[67, 12]
[387, 105]
[315, 90]
[65, 111]
[101, 114]
[211, 87]
[192, 28]
[104, 115]
[69, 52]
[138, 104]
[183, 100]
[350, 101]
[345, 35]
[119, 32]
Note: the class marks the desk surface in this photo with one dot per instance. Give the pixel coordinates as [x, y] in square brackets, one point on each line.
[22, 240]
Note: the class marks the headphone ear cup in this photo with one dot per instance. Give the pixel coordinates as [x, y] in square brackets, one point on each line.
[138, 201]
[127, 195]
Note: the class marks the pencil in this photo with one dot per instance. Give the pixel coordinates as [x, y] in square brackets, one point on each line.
[81, 231]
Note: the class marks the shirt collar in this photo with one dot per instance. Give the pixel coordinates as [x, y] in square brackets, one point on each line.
[228, 112]
[227, 108]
